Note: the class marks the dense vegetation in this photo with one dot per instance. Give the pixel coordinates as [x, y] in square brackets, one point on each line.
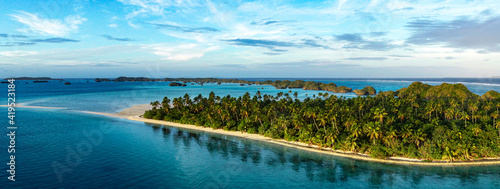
[368, 90]
[176, 84]
[445, 122]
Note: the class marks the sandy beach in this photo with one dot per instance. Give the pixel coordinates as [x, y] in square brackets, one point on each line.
[135, 112]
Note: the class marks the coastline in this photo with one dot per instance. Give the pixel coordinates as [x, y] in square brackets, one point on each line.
[313, 148]
[135, 112]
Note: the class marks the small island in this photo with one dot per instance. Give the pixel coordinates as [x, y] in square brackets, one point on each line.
[177, 84]
[435, 124]
[33, 78]
[368, 90]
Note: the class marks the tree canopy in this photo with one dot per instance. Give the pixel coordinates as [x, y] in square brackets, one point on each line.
[445, 122]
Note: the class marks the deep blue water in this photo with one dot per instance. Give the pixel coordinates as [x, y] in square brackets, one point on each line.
[139, 155]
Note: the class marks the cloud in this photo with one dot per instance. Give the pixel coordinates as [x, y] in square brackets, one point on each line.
[356, 41]
[270, 44]
[17, 53]
[350, 37]
[22, 40]
[53, 27]
[275, 46]
[378, 34]
[186, 29]
[232, 65]
[182, 52]
[265, 22]
[11, 44]
[108, 37]
[94, 64]
[53, 40]
[18, 36]
[308, 64]
[461, 33]
[150, 7]
[401, 56]
[313, 43]
[113, 25]
[271, 53]
[4, 35]
[367, 58]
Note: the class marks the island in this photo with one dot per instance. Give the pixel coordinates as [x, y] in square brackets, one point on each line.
[176, 84]
[424, 123]
[368, 90]
[278, 84]
[128, 79]
[33, 78]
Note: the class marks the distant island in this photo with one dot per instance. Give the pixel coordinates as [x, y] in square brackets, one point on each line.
[33, 78]
[443, 123]
[127, 79]
[278, 84]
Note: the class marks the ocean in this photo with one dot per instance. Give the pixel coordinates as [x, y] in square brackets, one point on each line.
[64, 148]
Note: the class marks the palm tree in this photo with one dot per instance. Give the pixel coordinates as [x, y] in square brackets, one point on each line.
[418, 137]
[259, 95]
[187, 100]
[374, 132]
[155, 104]
[473, 107]
[476, 129]
[464, 116]
[380, 114]
[449, 113]
[495, 116]
[311, 114]
[343, 123]
[498, 127]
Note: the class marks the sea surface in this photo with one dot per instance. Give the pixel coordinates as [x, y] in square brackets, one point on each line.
[65, 148]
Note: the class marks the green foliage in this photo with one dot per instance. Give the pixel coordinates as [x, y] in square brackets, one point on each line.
[445, 122]
[176, 84]
[419, 90]
[386, 94]
[491, 95]
[149, 114]
[368, 90]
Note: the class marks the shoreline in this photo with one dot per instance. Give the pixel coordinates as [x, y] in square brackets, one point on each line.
[313, 148]
[134, 113]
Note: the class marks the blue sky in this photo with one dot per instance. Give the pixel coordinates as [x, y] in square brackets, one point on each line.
[208, 38]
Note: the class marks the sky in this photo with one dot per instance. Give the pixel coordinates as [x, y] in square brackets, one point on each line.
[245, 39]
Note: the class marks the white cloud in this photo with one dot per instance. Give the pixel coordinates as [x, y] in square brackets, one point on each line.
[53, 27]
[182, 52]
[113, 25]
[17, 53]
[156, 7]
[133, 25]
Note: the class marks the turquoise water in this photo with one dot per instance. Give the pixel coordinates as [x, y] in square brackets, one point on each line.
[104, 152]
